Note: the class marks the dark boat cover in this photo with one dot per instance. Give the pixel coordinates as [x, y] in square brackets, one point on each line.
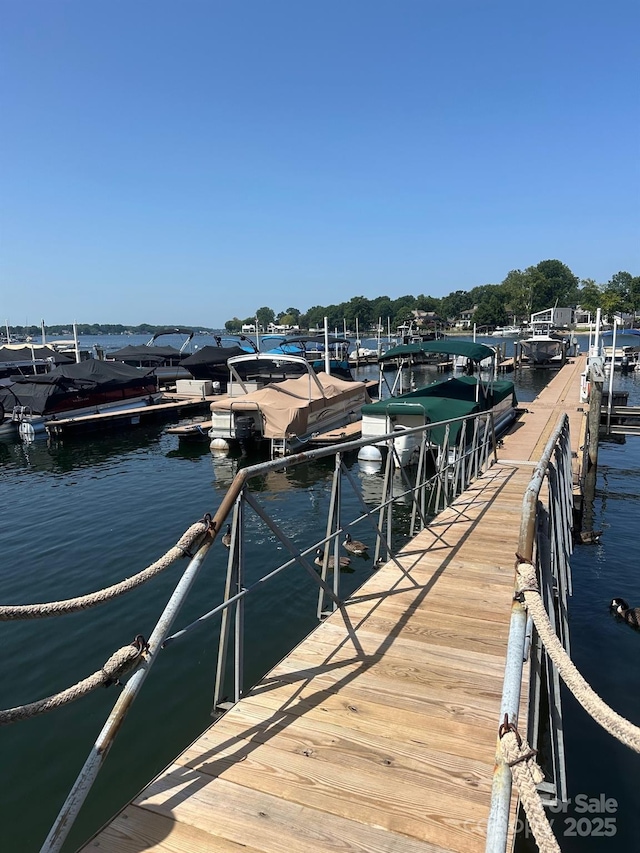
[212, 355]
[76, 385]
[39, 351]
[142, 352]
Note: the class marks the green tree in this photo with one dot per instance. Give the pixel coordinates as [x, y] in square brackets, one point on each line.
[621, 284]
[520, 290]
[233, 325]
[287, 320]
[491, 311]
[612, 303]
[315, 317]
[427, 303]
[590, 295]
[265, 316]
[451, 306]
[295, 313]
[557, 286]
[361, 308]
[634, 295]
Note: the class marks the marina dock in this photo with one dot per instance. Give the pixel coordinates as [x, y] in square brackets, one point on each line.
[378, 731]
[100, 421]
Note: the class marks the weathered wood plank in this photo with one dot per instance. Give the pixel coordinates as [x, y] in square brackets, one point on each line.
[235, 813]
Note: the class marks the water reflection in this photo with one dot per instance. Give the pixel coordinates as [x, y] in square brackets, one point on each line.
[58, 456]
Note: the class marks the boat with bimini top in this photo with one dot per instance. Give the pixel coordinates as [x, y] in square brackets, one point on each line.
[280, 400]
[317, 349]
[166, 360]
[209, 363]
[443, 400]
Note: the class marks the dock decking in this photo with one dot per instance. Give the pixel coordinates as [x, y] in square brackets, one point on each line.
[377, 732]
[114, 419]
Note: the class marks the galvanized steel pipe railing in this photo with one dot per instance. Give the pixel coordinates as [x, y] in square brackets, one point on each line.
[557, 448]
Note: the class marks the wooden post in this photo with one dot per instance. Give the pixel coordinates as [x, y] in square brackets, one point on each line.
[595, 407]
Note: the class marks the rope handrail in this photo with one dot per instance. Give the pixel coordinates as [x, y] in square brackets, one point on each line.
[515, 752]
[626, 732]
[182, 548]
[498, 824]
[119, 664]
[526, 772]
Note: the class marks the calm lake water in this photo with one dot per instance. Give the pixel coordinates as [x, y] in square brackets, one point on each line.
[80, 516]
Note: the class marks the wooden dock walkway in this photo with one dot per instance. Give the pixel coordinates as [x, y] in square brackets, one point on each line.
[378, 732]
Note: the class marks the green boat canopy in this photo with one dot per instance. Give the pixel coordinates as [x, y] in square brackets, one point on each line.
[449, 346]
[444, 400]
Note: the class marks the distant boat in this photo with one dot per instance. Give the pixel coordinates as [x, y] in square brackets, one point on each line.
[210, 362]
[627, 349]
[313, 349]
[506, 332]
[29, 359]
[166, 360]
[546, 342]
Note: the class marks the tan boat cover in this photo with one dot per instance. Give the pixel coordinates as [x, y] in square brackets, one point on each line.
[296, 406]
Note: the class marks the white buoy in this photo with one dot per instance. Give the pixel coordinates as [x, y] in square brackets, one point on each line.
[369, 459]
[219, 446]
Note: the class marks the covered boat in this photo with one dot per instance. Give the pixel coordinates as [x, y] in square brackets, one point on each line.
[443, 400]
[285, 412]
[210, 362]
[29, 359]
[72, 389]
[165, 360]
[316, 349]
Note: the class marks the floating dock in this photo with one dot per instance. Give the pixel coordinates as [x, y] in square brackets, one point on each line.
[378, 731]
[124, 418]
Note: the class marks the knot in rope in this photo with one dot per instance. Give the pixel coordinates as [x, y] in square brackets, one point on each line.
[526, 577]
[526, 773]
[516, 750]
[121, 662]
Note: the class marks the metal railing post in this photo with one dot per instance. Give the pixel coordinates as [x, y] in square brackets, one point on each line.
[238, 657]
[231, 584]
[78, 793]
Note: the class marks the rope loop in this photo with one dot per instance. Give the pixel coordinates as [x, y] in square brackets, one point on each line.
[120, 663]
[526, 772]
[506, 726]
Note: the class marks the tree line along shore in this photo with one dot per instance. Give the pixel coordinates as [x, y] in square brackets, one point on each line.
[520, 294]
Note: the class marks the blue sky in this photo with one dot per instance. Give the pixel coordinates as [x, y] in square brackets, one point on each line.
[182, 161]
